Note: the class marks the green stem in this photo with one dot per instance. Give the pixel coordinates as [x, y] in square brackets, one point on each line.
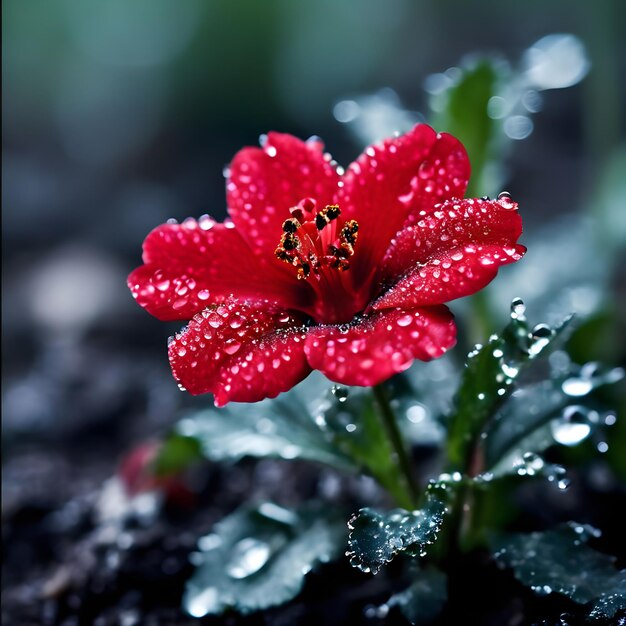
[390, 424]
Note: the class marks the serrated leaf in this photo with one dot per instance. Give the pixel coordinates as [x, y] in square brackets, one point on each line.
[489, 379]
[423, 600]
[377, 537]
[560, 561]
[258, 557]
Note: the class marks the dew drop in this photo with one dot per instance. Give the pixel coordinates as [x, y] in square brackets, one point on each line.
[541, 335]
[203, 294]
[247, 557]
[231, 346]
[340, 392]
[518, 308]
[504, 200]
[577, 387]
[404, 320]
[572, 427]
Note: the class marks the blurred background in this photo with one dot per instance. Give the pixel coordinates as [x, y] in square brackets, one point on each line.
[119, 115]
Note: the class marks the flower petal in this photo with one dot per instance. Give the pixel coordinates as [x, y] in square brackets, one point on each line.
[380, 345]
[191, 265]
[451, 226]
[451, 274]
[264, 183]
[391, 182]
[239, 353]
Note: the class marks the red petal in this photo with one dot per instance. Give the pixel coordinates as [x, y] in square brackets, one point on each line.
[239, 353]
[449, 227]
[194, 264]
[380, 345]
[449, 275]
[391, 182]
[266, 182]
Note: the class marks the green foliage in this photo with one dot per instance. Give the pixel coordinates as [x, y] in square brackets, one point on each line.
[560, 561]
[488, 380]
[462, 110]
[334, 425]
[376, 538]
[542, 414]
[258, 557]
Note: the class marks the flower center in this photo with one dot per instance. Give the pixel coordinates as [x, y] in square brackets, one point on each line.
[319, 245]
[317, 242]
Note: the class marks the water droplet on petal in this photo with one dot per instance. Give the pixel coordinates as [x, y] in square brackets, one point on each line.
[404, 320]
[504, 200]
[231, 346]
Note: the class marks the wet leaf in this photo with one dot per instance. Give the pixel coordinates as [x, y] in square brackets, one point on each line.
[489, 378]
[353, 423]
[258, 557]
[290, 426]
[542, 414]
[423, 600]
[317, 421]
[422, 397]
[560, 561]
[376, 537]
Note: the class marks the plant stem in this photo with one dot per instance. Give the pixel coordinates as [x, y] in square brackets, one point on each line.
[390, 423]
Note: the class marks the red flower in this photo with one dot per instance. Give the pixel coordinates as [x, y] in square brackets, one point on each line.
[317, 269]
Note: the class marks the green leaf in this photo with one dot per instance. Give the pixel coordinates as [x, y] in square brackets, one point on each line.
[423, 600]
[331, 424]
[290, 426]
[489, 379]
[176, 454]
[258, 557]
[422, 396]
[376, 538]
[356, 430]
[462, 109]
[540, 415]
[560, 561]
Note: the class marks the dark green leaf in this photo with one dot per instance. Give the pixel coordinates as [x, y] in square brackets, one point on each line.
[560, 561]
[376, 538]
[259, 557]
[424, 599]
[488, 380]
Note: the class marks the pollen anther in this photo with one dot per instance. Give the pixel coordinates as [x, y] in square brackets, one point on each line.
[308, 245]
